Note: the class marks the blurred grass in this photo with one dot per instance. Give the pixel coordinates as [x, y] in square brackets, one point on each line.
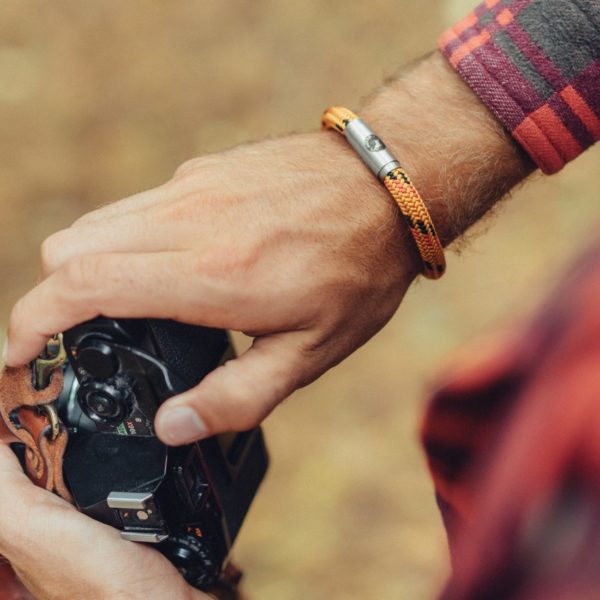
[99, 100]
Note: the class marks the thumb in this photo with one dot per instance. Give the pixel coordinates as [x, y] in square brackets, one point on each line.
[238, 395]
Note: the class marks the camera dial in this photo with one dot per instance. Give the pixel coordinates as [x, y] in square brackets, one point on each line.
[97, 359]
[193, 556]
[105, 402]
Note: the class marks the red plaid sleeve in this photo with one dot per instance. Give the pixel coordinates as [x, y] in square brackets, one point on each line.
[536, 66]
[512, 437]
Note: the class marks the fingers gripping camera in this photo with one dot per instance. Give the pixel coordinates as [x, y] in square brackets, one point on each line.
[189, 501]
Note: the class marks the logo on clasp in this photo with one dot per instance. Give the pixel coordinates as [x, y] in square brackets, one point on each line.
[374, 144]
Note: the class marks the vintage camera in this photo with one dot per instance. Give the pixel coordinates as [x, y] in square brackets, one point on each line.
[189, 501]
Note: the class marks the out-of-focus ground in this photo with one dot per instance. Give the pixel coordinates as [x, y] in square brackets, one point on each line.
[101, 99]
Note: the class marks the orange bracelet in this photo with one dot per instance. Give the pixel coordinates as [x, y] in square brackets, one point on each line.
[378, 158]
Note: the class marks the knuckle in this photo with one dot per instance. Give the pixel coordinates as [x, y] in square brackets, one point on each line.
[85, 219]
[189, 166]
[184, 209]
[241, 407]
[50, 252]
[81, 271]
[247, 417]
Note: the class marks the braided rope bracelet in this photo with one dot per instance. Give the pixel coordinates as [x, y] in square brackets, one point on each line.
[376, 156]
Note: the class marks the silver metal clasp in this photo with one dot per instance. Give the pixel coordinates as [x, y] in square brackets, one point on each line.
[370, 148]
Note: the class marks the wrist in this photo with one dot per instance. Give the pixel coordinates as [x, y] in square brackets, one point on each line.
[366, 189]
[458, 155]
[345, 183]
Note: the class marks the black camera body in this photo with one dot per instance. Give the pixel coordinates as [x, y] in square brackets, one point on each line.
[189, 501]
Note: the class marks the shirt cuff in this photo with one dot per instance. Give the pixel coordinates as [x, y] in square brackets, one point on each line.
[536, 65]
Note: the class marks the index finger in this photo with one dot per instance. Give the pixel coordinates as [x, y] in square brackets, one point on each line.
[160, 285]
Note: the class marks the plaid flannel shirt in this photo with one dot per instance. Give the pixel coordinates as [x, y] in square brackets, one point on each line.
[536, 66]
[512, 434]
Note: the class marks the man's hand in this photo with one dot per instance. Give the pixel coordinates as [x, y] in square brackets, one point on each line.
[285, 240]
[59, 553]
[291, 241]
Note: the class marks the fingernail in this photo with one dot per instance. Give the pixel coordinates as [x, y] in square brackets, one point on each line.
[5, 351]
[181, 425]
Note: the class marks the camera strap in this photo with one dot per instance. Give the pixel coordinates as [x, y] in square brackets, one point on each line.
[26, 418]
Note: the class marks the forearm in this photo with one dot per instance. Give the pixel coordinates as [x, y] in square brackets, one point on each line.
[459, 156]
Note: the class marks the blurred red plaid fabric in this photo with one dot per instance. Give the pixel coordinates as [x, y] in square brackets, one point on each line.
[513, 443]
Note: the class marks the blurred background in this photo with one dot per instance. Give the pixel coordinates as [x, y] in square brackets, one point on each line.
[101, 99]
